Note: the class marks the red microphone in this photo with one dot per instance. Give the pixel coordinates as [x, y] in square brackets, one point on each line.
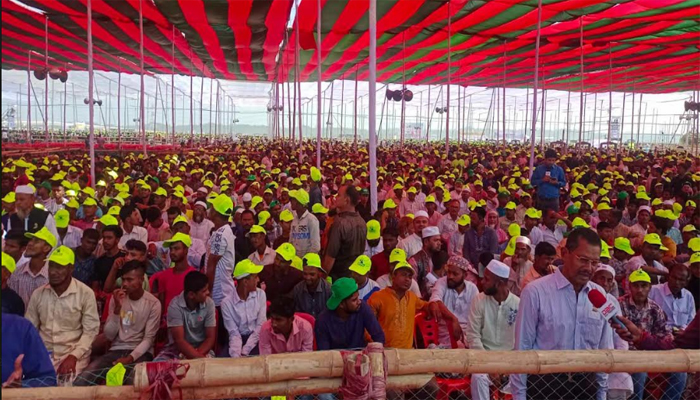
[606, 307]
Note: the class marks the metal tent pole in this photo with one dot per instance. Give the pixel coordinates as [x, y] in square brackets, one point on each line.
[192, 107]
[622, 122]
[91, 106]
[544, 116]
[639, 117]
[372, 105]
[449, 77]
[318, 81]
[430, 113]
[29, 96]
[65, 106]
[355, 112]
[610, 93]
[632, 121]
[580, 122]
[504, 93]
[211, 102]
[536, 81]
[172, 84]
[568, 111]
[155, 109]
[46, 80]
[459, 114]
[142, 105]
[119, 106]
[297, 80]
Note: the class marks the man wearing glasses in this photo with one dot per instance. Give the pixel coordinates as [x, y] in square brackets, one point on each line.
[555, 314]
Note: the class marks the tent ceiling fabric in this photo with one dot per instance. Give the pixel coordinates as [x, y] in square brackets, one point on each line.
[653, 45]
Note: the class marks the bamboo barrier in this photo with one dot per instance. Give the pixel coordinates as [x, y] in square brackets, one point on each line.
[283, 388]
[329, 364]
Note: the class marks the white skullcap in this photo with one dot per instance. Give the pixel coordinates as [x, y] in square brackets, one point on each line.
[247, 197]
[605, 267]
[668, 202]
[282, 175]
[201, 203]
[25, 189]
[523, 239]
[421, 213]
[430, 231]
[644, 208]
[499, 269]
[203, 190]
[240, 210]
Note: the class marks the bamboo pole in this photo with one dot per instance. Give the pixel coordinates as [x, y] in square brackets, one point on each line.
[327, 364]
[284, 388]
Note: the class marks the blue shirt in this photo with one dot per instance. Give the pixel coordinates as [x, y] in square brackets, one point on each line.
[679, 310]
[20, 337]
[552, 316]
[547, 190]
[335, 333]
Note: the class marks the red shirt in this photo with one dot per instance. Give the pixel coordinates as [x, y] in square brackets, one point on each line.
[170, 283]
[380, 265]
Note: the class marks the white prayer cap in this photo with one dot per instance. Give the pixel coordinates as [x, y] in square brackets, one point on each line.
[644, 208]
[201, 203]
[203, 189]
[523, 239]
[247, 197]
[421, 213]
[499, 269]
[430, 231]
[25, 189]
[605, 267]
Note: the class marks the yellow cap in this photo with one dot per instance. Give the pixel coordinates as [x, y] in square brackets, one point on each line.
[639, 276]
[257, 229]
[315, 174]
[114, 210]
[160, 192]
[312, 260]
[654, 239]
[514, 230]
[604, 207]
[263, 217]
[286, 216]
[286, 251]
[604, 250]
[690, 203]
[318, 208]
[8, 262]
[179, 237]
[89, 202]
[642, 196]
[43, 234]
[300, 195]
[397, 255]
[694, 258]
[73, 203]
[402, 264]
[389, 204]
[430, 199]
[689, 228]
[246, 267]
[623, 244]
[180, 218]
[9, 198]
[694, 244]
[464, 220]
[373, 230]
[361, 265]
[62, 256]
[533, 213]
[255, 201]
[297, 261]
[412, 190]
[62, 218]
[89, 191]
[108, 220]
[510, 206]
[222, 204]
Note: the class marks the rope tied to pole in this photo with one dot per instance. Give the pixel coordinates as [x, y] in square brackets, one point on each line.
[162, 379]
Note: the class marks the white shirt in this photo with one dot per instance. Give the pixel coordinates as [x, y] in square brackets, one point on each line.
[456, 243]
[194, 253]
[457, 303]
[409, 207]
[244, 318]
[491, 326]
[372, 251]
[221, 243]
[384, 281]
[72, 239]
[267, 258]
[305, 234]
[368, 288]
[201, 230]
[411, 245]
[679, 311]
[543, 234]
[447, 225]
[138, 233]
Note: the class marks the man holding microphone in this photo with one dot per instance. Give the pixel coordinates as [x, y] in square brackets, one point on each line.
[548, 178]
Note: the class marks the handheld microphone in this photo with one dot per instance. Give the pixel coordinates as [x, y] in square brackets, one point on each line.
[606, 307]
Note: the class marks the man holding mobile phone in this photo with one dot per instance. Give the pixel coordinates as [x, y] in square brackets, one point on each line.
[548, 178]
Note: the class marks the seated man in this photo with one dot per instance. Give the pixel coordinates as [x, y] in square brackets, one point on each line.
[32, 270]
[25, 360]
[456, 293]
[343, 325]
[191, 321]
[11, 302]
[358, 271]
[397, 255]
[135, 251]
[195, 253]
[285, 332]
[311, 294]
[170, 283]
[280, 277]
[244, 310]
[132, 325]
[65, 313]
[84, 268]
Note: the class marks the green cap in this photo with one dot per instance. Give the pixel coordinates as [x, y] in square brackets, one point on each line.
[341, 290]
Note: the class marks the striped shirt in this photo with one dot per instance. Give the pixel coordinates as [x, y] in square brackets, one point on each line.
[72, 239]
[24, 282]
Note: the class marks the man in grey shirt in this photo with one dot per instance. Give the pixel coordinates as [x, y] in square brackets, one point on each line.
[480, 238]
[347, 236]
[191, 322]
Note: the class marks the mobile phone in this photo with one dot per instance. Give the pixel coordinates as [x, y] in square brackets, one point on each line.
[548, 173]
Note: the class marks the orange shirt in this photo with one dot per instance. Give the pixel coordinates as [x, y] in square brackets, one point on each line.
[669, 255]
[396, 316]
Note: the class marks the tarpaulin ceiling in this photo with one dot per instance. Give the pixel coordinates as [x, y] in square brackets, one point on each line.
[651, 45]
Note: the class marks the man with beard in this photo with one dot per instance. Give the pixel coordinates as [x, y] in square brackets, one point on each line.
[422, 262]
[552, 310]
[413, 243]
[456, 293]
[343, 325]
[32, 271]
[200, 226]
[28, 218]
[65, 314]
[410, 205]
[480, 238]
[312, 293]
[305, 235]
[169, 283]
[491, 323]
[280, 277]
[244, 248]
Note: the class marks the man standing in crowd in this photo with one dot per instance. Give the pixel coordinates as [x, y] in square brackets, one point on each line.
[200, 226]
[347, 236]
[65, 313]
[491, 323]
[556, 314]
[305, 235]
[548, 178]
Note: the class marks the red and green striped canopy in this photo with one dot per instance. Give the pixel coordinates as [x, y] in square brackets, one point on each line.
[628, 45]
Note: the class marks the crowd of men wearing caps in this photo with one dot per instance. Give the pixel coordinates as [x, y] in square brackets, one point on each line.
[191, 256]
